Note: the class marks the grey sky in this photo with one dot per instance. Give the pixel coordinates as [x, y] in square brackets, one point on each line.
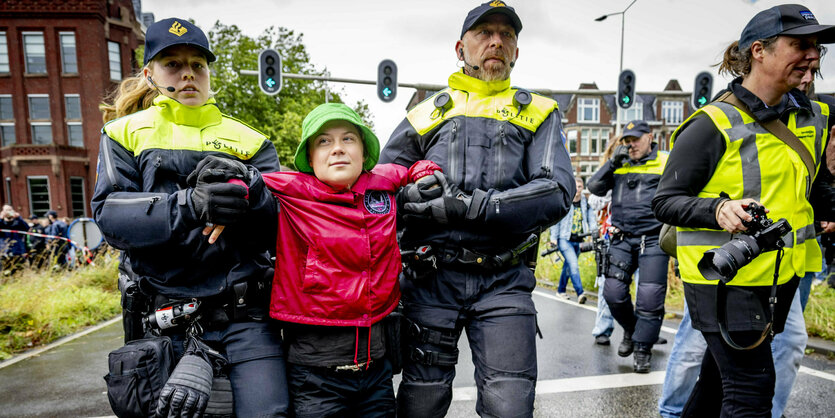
[560, 45]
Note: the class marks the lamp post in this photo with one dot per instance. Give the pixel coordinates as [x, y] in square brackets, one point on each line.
[620, 70]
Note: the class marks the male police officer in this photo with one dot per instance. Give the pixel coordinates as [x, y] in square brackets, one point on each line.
[506, 176]
[632, 174]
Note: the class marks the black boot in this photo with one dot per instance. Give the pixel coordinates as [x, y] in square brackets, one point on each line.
[626, 345]
[642, 360]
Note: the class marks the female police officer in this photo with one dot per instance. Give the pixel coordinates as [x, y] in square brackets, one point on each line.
[723, 161]
[148, 206]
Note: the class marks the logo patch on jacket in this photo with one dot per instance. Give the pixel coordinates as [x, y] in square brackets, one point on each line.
[377, 202]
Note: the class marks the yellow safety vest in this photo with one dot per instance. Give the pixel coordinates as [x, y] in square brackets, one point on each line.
[758, 165]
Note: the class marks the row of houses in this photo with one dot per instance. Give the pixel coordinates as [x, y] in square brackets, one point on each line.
[59, 58]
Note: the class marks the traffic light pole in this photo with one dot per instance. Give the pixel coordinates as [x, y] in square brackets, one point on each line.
[419, 86]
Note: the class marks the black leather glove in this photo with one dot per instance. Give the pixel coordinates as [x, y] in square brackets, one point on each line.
[186, 393]
[452, 205]
[620, 155]
[423, 190]
[220, 203]
[214, 169]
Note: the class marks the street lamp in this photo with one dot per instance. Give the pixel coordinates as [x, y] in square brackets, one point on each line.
[620, 70]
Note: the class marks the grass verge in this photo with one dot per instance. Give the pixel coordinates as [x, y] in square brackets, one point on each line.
[40, 306]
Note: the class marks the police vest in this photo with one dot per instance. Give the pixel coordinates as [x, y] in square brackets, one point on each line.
[170, 125]
[758, 165]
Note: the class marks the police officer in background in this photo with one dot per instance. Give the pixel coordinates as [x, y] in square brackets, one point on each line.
[632, 174]
[507, 178]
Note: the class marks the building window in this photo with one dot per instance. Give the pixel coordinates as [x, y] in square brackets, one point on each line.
[588, 110]
[115, 57]
[572, 142]
[7, 136]
[77, 199]
[38, 195]
[69, 61]
[636, 112]
[593, 140]
[672, 112]
[4, 53]
[75, 135]
[9, 191]
[34, 52]
[587, 168]
[40, 119]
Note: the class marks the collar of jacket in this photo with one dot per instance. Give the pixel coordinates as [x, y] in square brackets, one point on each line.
[200, 116]
[460, 81]
[653, 154]
[793, 100]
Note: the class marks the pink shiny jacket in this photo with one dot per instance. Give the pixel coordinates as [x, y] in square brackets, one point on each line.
[337, 259]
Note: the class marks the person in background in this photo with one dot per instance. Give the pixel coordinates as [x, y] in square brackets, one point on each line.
[632, 176]
[58, 247]
[567, 235]
[12, 244]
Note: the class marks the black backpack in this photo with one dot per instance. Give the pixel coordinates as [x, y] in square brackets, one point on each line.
[138, 371]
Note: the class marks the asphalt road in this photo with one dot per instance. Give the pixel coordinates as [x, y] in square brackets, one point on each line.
[576, 377]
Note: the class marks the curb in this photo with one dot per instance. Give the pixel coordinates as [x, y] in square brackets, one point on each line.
[816, 344]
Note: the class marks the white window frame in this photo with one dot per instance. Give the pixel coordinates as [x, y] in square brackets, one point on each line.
[7, 141]
[39, 122]
[61, 36]
[66, 107]
[636, 112]
[115, 73]
[83, 197]
[670, 107]
[571, 137]
[29, 98]
[23, 36]
[29, 193]
[582, 105]
[4, 53]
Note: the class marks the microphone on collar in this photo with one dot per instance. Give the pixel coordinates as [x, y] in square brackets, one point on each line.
[169, 88]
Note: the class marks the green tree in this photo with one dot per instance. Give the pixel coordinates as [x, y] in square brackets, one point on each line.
[279, 117]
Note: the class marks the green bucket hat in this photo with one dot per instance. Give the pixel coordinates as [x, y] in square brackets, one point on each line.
[325, 113]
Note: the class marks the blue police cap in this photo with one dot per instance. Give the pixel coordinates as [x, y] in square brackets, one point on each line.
[486, 9]
[785, 19]
[174, 31]
[636, 128]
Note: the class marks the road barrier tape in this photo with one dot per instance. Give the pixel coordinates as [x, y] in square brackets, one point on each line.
[84, 250]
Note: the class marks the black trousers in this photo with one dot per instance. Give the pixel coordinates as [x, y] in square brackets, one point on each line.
[318, 392]
[733, 383]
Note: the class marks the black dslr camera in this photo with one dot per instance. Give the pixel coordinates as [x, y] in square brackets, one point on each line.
[763, 234]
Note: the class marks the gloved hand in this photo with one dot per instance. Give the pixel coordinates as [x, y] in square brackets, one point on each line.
[620, 155]
[214, 169]
[220, 203]
[452, 205]
[186, 393]
[423, 190]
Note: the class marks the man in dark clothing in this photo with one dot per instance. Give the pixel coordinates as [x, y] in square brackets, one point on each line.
[57, 228]
[508, 176]
[632, 174]
[12, 244]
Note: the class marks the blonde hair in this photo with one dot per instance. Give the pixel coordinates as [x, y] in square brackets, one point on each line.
[133, 95]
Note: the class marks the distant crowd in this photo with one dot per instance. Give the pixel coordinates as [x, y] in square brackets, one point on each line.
[28, 247]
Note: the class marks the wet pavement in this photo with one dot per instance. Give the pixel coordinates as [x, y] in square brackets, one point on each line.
[576, 377]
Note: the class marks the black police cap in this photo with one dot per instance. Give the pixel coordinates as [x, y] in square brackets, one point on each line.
[174, 31]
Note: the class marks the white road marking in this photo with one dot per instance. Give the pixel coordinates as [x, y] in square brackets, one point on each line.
[576, 384]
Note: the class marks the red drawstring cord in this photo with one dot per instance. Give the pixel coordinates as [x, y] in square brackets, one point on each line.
[368, 354]
[356, 345]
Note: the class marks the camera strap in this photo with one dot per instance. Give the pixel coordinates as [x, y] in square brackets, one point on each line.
[721, 309]
[779, 130]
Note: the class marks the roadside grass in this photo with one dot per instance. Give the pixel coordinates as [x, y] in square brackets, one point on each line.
[42, 305]
[819, 314]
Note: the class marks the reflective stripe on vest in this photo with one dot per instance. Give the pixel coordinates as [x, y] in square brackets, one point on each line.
[758, 165]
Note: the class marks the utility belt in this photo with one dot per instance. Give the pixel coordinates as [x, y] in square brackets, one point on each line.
[421, 261]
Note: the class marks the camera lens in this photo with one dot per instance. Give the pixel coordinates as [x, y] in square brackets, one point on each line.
[723, 263]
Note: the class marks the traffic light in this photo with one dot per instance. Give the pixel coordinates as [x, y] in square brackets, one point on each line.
[702, 90]
[626, 89]
[269, 71]
[387, 80]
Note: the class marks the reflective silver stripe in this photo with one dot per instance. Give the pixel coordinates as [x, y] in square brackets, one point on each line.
[748, 153]
[714, 238]
[702, 238]
[820, 128]
[807, 232]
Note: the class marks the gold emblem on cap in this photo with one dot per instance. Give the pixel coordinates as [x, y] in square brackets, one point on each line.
[630, 125]
[177, 29]
[497, 3]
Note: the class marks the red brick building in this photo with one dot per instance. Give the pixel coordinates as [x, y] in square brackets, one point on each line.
[58, 59]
